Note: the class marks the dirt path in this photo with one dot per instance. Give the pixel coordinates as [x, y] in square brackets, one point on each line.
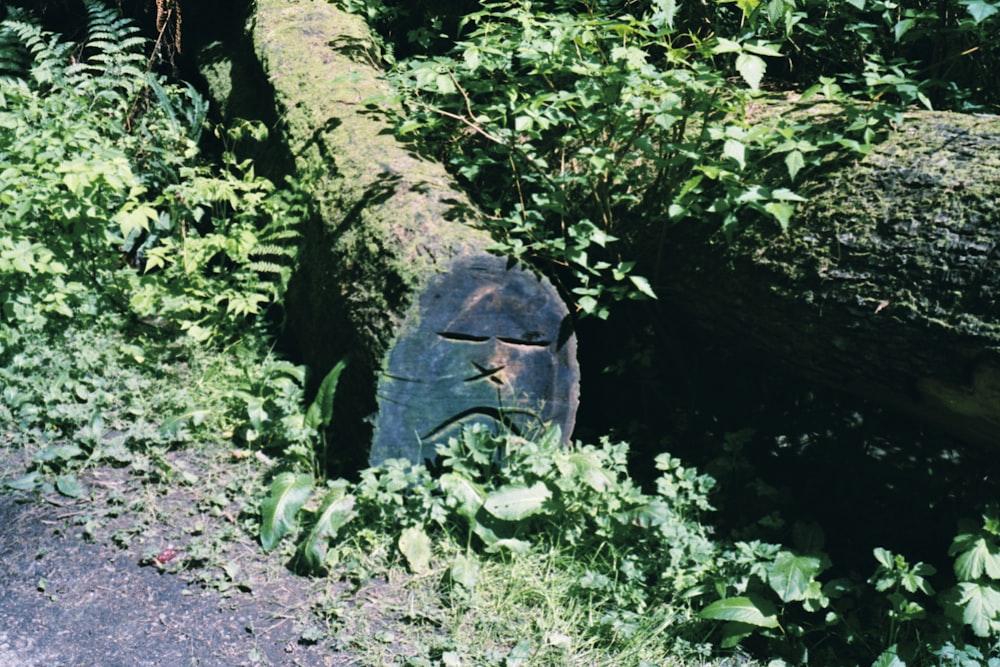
[69, 601]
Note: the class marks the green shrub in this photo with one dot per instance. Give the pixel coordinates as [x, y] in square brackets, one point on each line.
[104, 204]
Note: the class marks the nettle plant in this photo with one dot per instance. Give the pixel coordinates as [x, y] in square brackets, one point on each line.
[585, 129]
[103, 201]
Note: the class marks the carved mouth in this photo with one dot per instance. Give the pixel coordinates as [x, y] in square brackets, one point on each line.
[503, 417]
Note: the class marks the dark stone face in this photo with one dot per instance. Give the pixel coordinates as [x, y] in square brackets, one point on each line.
[492, 345]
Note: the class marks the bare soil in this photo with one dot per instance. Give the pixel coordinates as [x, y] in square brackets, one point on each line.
[71, 597]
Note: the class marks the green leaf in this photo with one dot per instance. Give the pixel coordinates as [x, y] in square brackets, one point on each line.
[901, 28]
[69, 486]
[733, 633]
[980, 605]
[468, 495]
[751, 68]
[289, 492]
[889, 658]
[665, 11]
[520, 655]
[515, 502]
[416, 548]
[981, 557]
[794, 162]
[763, 49]
[741, 610]
[781, 212]
[336, 511]
[724, 45]
[643, 286]
[735, 150]
[790, 576]
[464, 571]
[320, 412]
[980, 10]
[23, 483]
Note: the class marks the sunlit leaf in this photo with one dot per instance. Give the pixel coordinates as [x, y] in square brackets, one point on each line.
[289, 492]
[889, 658]
[751, 68]
[336, 511]
[320, 412]
[790, 575]
[794, 162]
[69, 486]
[642, 284]
[742, 610]
[416, 548]
[979, 557]
[980, 605]
[516, 502]
[469, 496]
[464, 571]
[980, 10]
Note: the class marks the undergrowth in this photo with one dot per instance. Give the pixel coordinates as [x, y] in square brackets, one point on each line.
[135, 280]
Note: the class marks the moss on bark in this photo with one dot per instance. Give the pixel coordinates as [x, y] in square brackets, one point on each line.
[887, 285]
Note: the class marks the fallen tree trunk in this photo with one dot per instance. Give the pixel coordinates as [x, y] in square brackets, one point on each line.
[887, 285]
[395, 274]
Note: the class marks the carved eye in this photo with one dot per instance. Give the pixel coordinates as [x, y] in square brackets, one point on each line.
[522, 341]
[468, 338]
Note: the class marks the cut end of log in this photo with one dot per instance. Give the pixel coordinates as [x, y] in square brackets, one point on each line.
[487, 342]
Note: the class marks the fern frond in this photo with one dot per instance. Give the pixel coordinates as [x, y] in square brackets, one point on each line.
[267, 267]
[275, 251]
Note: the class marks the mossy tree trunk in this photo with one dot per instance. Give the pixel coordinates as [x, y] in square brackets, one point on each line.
[887, 285]
[395, 273]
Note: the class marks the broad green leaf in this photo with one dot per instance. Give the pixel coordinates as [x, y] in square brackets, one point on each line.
[889, 658]
[980, 605]
[416, 548]
[59, 453]
[763, 49]
[901, 28]
[520, 655]
[643, 286]
[724, 45]
[135, 217]
[781, 212]
[581, 466]
[751, 68]
[741, 610]
[464, 571]
[735, 150]
[665, 11]
[280, 510]
[69, 486]
[320, 413]
[734, 632]
[516, 502]
[790, 575]
[468, 495]
[336, 511]
[980, 10]
[978, 559]
[884, 557]
[794, 161]
[23, 483]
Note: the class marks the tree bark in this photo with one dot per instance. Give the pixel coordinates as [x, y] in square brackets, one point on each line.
[887, 285]
[395, 274]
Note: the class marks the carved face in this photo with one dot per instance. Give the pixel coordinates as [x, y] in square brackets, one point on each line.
[491, 346]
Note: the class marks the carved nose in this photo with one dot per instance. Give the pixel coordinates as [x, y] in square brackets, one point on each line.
[493, 374]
